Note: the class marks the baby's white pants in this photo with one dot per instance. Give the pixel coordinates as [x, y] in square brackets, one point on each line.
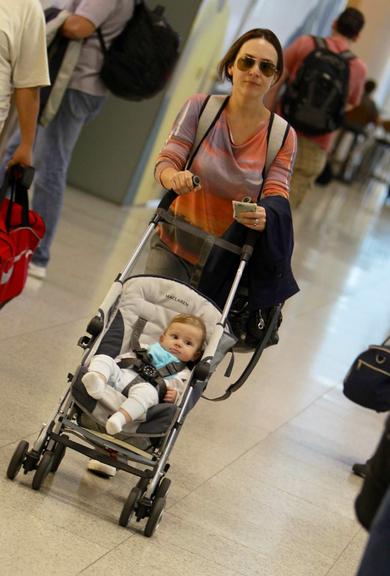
[141, 396]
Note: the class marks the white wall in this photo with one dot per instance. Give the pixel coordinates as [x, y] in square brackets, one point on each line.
[284, 17]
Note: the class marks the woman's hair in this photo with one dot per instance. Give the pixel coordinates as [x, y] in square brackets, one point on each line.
[350, 22]
[234, 49]
[192, 321]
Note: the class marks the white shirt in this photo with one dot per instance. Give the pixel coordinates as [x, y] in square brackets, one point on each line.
[23, 56]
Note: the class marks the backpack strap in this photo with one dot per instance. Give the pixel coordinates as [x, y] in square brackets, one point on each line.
[277, 133]
[101, 40]
[213, 106]
[278, 129]
[211, 110]
[321, 43]
[347, 55]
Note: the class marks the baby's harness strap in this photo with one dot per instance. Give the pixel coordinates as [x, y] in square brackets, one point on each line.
[142, 364]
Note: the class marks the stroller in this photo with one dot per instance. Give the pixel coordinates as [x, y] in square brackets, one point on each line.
[135, 310]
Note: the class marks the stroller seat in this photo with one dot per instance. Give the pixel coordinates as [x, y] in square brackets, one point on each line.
[146, 306]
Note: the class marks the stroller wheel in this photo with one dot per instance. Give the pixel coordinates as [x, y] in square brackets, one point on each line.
[130, 506]
[43, 470]
[17, 459]
[155, 516]
[58, 454]
[162, 488]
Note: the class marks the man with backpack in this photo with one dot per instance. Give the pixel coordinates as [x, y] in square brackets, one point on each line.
[83, 99]
[322, 79]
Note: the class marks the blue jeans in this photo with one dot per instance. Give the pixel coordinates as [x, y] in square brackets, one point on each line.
[53, 149]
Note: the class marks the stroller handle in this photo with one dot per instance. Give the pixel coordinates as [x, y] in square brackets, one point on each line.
[249, 244]
[170, 196]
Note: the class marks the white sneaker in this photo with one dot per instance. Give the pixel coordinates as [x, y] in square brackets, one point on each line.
[37, 271]
[101, 469]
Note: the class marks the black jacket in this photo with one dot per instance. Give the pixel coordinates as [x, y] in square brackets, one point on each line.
[268, 275]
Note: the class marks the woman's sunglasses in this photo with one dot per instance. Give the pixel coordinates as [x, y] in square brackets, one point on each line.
[247, 62]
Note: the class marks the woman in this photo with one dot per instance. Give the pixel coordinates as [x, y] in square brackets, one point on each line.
[229, 161]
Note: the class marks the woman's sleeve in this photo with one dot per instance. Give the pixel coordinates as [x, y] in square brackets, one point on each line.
[279, 176]
[177, 147]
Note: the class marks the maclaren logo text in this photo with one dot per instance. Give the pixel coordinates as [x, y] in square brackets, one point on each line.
[176, 299]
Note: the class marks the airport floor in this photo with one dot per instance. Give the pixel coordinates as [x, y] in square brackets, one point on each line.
[261, 483]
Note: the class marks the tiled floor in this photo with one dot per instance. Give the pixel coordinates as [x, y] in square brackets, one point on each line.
[261, 483]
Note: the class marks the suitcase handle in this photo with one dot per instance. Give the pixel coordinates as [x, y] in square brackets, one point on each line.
[13, 183]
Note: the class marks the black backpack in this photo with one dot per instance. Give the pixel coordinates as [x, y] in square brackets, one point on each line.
[140, 60]
[314, 102]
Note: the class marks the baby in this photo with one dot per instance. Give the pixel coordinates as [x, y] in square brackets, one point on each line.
[181, 342]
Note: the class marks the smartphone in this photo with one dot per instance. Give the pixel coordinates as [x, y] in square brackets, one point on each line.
[239, 207]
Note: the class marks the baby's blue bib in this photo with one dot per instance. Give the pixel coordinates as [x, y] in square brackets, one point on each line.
[160, 356]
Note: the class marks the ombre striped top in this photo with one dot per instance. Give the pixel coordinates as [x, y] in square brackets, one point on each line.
[227, 172]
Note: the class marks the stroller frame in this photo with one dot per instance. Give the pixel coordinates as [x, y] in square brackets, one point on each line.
[147, 499]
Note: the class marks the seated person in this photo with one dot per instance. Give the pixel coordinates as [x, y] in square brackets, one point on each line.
[181, 342]
[366, 112]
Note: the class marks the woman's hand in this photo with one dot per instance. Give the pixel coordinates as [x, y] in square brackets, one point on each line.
[253, 220]
[170, 395]
[182, 182]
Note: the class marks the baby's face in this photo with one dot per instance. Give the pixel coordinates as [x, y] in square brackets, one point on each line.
[182, 340]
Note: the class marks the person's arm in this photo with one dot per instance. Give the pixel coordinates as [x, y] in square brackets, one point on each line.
[277, 182]
[77, 27]
[176, 386]
[173, 156]
[27, 106]
[180, 181]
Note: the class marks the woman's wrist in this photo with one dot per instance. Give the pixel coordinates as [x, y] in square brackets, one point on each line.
[166, 177]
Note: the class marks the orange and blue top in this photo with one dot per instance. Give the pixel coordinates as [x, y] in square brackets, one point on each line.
[227, 172]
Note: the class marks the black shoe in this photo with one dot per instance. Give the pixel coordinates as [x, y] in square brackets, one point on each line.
[360, 470]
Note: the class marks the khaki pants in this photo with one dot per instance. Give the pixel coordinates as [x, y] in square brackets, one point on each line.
[309, 164]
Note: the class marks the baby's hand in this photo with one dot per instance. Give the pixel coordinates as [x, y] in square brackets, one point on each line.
[170, 395]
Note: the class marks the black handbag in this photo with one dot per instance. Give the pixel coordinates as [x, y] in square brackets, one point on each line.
[368, 380]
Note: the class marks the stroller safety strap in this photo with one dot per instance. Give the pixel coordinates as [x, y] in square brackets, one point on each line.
[149, 373]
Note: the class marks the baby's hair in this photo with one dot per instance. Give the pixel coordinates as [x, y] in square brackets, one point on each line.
[193, 321]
